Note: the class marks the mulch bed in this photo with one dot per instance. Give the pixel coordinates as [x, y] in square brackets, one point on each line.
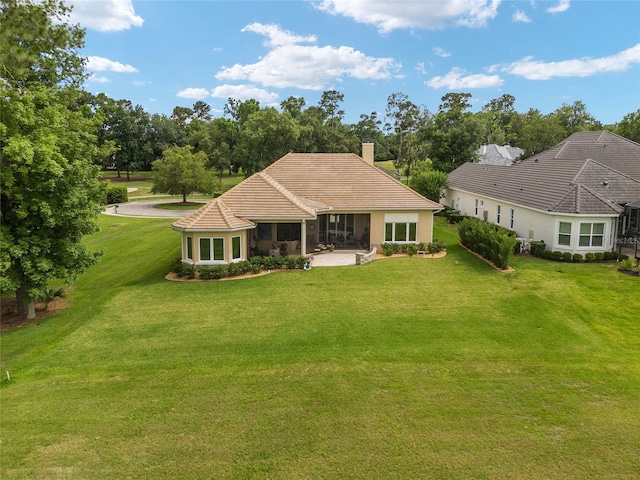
[9, 318]
[123, 178]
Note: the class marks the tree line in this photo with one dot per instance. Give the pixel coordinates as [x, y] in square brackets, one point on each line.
[248, 137]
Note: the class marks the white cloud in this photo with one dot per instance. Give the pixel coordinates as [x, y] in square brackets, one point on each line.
[521, 17]
[194, 93]
[244, 92]
[276, 37]
[583, 67]
[152, 100]
[439, 52]
[456, 79]
[310, 67]
[406, 14]
[217, 49]
[104, 15]
[421, 68]
[101, 64]
[562, 6]
[93, 78]
[141, 83]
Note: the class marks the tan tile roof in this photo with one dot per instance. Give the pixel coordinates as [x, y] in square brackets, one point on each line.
[301, 185]
[215, 215]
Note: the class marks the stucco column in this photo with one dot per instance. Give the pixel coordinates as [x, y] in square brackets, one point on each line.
[303, 241]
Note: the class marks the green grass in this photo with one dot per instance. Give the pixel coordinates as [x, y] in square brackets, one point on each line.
[401, 368]
[144, 186]
[179, 206]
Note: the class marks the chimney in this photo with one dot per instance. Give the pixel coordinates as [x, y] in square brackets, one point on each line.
[367, 150]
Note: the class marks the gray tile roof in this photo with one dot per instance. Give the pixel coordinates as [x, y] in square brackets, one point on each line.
[493, 154]
[589, 173]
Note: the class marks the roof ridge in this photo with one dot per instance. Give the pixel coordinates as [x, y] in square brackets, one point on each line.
[603, 200]
[287, 193]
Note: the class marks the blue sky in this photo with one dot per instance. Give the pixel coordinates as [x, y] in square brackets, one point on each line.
[164, 53]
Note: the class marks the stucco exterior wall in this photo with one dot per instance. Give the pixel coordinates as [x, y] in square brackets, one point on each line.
[533, 224]
[424, 232]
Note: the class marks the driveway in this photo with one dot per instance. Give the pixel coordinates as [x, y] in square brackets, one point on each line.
[145, 210]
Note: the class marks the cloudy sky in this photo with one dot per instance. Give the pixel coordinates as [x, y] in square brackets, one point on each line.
[161, 54]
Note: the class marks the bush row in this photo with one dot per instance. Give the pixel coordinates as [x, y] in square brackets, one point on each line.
[254, 265]
[491, 241]
[411, 248]
[538, 249]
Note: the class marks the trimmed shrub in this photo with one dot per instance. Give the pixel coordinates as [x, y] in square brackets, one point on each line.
[623, 257]
[546, 254]
[566, 256]
[116, 194]
[576, 258]
[599, 256]
[189, 271]
[387, 249]
[537, 247]
[456, 218]
[411, 250]
[488, 240]
[556, 256]
[611, 256]
[436, 246]
[590, 257]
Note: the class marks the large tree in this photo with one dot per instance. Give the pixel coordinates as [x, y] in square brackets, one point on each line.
[50, 192]
[180, 171]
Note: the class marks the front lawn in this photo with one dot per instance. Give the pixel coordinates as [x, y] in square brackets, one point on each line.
[401, 368]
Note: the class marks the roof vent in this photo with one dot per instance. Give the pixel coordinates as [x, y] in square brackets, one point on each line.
[605, 183]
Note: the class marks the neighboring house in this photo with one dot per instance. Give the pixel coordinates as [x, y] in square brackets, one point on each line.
[301, 201]
[579, 196]
[493, 154]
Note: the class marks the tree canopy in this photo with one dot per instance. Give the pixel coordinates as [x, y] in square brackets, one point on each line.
[50, 192]
[180, 171]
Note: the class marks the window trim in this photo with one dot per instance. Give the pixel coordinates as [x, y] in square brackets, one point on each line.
[212, 250]
[233, 247]
[498, 213]
[409, 231]
[188, 254]
[512, 217]
[591, 235]
[566, 235]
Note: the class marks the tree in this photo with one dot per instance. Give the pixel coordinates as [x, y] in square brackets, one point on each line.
[180, 171]
[629, 126]
[455, 135]
[430, 184]
[50, 189]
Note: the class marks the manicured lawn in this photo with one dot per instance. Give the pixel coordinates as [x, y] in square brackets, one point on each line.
[401, 368]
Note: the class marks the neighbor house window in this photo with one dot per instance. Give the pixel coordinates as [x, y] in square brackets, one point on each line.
[211, 249]
[189, 242]
[498, 209]
[476, 206]
[564, 234]
[512, 217]
[235, 248]
[591, 235]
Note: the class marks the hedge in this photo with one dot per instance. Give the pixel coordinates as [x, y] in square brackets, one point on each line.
[488, 240]
[116, 194]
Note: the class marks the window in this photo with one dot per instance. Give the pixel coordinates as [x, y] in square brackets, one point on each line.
[400, 232]
[189, 248]
[591, 235]
[400, 227]
[512, 216]
[498, 208]
[235, 248]
[564, 234]
[476, 206]
[211, 249]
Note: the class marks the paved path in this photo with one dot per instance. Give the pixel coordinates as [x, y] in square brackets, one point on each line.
[145, 210]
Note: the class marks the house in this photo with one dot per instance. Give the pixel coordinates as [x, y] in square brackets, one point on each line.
[493, 154]
[579, 196]
[305, 201]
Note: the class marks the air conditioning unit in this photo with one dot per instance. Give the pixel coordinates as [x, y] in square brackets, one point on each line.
[524, 244]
